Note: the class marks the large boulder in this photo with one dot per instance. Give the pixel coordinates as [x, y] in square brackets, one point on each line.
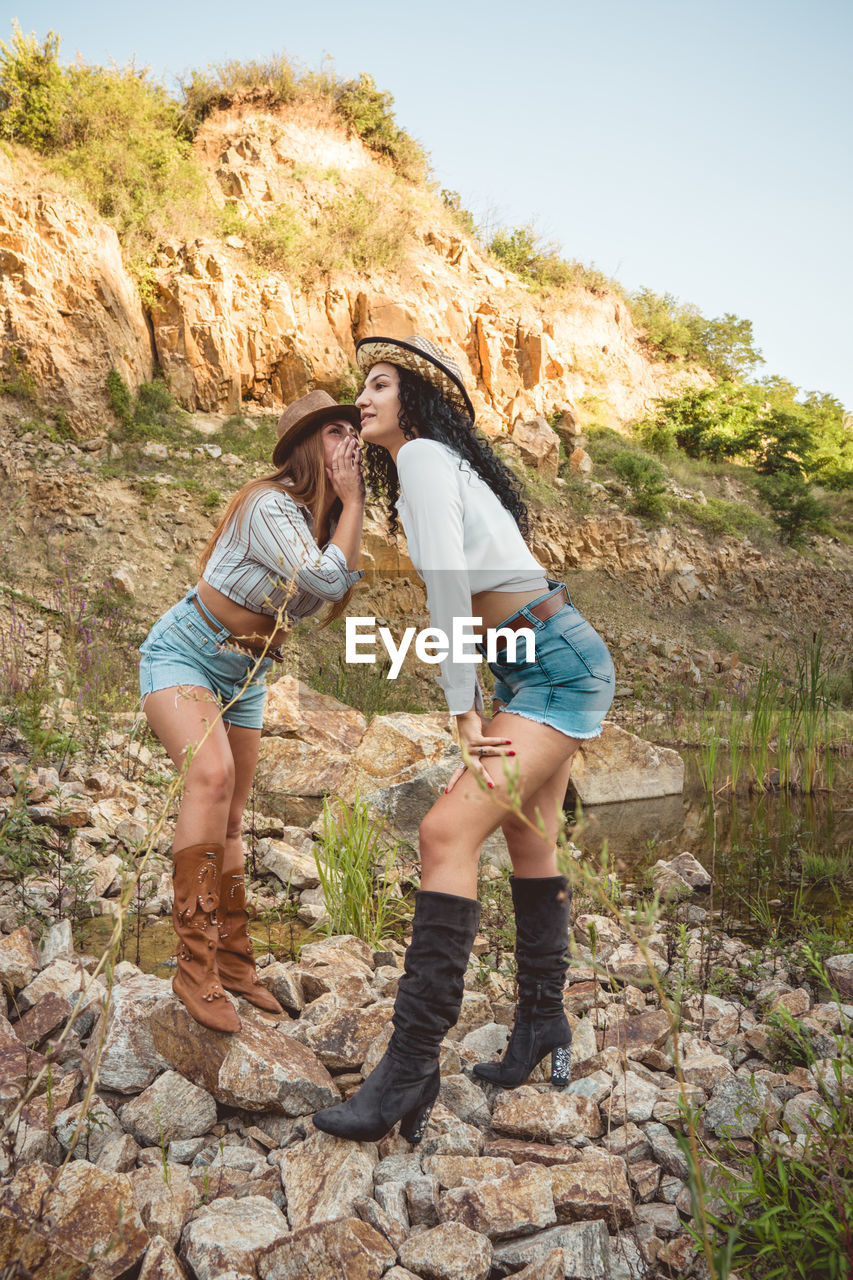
[257, 1068]
[620, 766]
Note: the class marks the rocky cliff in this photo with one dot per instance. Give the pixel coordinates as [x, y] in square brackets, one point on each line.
[226, 331]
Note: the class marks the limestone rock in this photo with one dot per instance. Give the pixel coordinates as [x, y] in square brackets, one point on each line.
[608, 935]
[738, 1107]
[228, 1234]
[593, 1188]
[691, 870]
[840, 970]
[294, 709]
[668, 884]
[258, 1068]
[450, 1251]
[454, 1171]
[160, 1262]
[465, 1099]
[517, 1203]
[585, 1249]
[289, 766]
[327, 1251]
[538, 445]
[706, 1070]
[68, 301]
[528, 1113]
[47, 1016]
[580, 463]
[630, 963]
[394, 749]
[55, 943]
[82, 1225]
[634, 1035]
[295, 870]
[129, 1061]
[165, 1198]
[90, 1131]
[169, 1110]
[18, 1064]
[324, 1176]
[19, 962]
[620, 766]
[342, 1040]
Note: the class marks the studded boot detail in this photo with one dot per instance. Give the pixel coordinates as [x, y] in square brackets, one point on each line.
[195, 879]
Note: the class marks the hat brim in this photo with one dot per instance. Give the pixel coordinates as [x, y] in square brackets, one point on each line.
[350, 412]
[371, 351]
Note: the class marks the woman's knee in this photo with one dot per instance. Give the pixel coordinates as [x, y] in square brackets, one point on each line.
[211, 776]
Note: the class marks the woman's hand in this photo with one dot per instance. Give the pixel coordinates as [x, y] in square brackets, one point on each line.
[475, 746]
[345, 472]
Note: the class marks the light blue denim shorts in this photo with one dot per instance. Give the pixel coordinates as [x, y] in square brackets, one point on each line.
[570, 683]
[182, 648]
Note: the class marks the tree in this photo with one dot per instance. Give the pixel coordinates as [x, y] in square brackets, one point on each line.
[794, 507]
[729, 349]
[32, 90]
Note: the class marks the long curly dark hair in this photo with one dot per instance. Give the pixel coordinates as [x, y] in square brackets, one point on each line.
[423, 409]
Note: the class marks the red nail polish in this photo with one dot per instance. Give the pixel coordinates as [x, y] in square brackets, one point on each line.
[510, 753]
[492, 785]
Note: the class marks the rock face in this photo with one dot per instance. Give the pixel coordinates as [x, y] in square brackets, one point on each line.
[222, 333]
[621, 766]
[68, 305]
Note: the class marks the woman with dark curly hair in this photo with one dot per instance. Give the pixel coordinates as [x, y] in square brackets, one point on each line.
[464, 521]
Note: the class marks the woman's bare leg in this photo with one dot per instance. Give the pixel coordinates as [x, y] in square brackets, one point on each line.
[531, 838]
[453, 831]
[183, 717]
[245, 745]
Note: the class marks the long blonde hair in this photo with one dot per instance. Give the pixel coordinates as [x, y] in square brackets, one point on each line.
[304, 471]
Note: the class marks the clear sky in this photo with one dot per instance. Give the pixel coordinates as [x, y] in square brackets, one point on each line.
[701, 149]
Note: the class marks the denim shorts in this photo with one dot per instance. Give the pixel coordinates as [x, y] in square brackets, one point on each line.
[569, 685]
[182, 648]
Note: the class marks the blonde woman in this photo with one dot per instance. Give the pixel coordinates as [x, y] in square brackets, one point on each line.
[286, 545]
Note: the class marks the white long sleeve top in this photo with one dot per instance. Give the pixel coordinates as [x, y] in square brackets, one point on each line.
[266, 559]
[461, 540]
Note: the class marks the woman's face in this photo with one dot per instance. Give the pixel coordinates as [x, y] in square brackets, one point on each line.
[379, 403]
[332, 433]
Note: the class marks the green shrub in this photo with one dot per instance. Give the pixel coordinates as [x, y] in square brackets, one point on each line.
[795, 508]
[369, 111]
[719, 517]
[356, 872]
[152, 414]
[540, 264]
[647, 481]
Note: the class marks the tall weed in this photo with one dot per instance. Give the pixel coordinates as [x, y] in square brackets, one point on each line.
[356, 868]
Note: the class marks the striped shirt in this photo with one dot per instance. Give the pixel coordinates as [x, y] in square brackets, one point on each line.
[266, 559]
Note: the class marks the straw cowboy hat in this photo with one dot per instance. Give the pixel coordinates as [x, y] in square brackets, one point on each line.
[423, 357]
[305, 415]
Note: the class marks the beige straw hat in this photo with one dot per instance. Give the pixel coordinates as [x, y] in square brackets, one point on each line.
[307, 413]
[423, 357]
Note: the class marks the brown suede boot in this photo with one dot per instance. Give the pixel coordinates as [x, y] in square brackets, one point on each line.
[195, 876]
[235, 958]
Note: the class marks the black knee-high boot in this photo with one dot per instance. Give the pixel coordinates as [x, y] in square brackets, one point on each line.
[541, 946]
[404, 1085]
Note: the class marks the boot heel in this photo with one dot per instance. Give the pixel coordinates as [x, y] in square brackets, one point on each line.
[414, 1123]
[561, 1065]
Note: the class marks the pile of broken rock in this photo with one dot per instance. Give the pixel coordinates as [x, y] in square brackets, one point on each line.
[193, 1153]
